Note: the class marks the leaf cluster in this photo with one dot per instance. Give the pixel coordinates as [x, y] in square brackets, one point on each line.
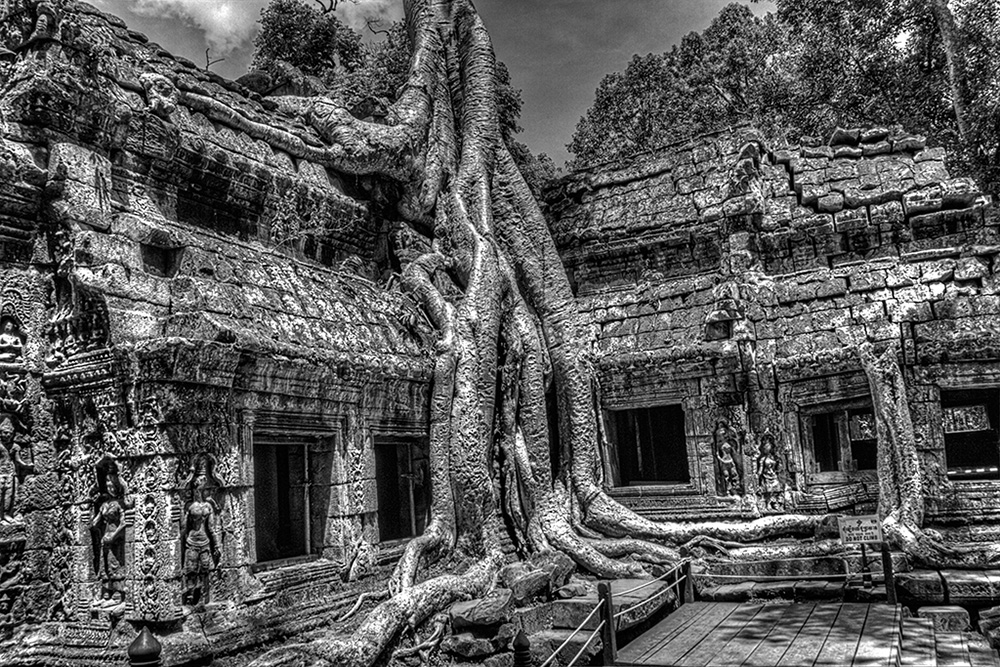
[803, 70]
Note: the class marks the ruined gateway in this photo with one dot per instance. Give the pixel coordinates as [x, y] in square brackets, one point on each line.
[214, 395]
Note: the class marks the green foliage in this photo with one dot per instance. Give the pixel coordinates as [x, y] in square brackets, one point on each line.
[805, 69]
[306, 38]
[380, 73]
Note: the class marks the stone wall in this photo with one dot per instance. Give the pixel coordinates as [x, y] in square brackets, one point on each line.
[728, 277]
[181, 282]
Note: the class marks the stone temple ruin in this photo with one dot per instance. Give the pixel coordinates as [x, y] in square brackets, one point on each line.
[214, 396]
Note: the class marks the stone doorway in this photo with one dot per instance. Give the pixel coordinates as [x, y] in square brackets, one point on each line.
[402, 475]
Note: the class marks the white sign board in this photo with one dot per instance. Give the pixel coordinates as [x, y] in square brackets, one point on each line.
[860, 529]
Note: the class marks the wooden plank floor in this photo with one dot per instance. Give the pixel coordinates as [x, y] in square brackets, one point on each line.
[710, 634]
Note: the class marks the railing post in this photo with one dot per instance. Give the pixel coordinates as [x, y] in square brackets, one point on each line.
[608, 635]
[688, 590]
[522, 650]
[890, 578]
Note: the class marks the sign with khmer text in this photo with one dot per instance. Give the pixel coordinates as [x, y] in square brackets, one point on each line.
[860, 529]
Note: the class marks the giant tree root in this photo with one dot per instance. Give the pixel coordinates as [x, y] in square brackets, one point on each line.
[384, 624]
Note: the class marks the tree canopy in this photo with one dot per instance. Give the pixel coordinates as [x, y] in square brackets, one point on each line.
[808, 67]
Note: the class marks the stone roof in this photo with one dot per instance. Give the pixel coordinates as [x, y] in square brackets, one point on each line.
[151, 161]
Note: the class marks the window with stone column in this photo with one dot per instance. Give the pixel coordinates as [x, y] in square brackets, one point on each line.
[292, 485]
[970, 419]
[839, 438]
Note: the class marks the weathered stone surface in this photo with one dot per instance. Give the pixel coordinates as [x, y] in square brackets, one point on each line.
[557, 565]
[494, 609]
[572, 590]
[545, 643]
[466, 645]
[948, 618]
[529, 586]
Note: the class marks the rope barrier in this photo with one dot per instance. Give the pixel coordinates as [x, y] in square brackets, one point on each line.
[655, 595]
[583, 648]
[573, 634]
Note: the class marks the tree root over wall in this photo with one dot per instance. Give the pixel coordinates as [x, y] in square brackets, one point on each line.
[508, 329]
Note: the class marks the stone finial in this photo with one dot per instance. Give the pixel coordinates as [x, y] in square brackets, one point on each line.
[145, 649]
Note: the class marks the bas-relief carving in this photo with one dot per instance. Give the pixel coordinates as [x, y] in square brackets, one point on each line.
[768, 477]
[200, 548]
[110, 500]
[13, 467]
[727, 448]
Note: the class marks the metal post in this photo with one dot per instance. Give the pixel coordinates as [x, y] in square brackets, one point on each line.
[608, 638]
[522, 650]
[890, 578]
[866, 573]
[688, 590]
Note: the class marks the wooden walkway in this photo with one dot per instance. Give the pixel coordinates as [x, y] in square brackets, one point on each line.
[727, 634]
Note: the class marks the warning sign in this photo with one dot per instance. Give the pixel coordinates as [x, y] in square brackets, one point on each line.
[860, 529]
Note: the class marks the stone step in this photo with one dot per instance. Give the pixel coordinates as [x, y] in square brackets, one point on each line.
[981, 654]
[766, 590]
[638, 605]
[951, 649]
[546, 642]
[918, 647]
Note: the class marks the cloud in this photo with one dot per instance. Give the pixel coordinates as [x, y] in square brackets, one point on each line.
[229, 24]
[355, 14]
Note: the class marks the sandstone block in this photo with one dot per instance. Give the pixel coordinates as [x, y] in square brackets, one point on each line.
[873, 135]
[946, 618]
[558, 565]
[847, 152]
[831, 203]
[909, 143]
[845, 137]
[818, 152]
[467, 645]
[494, 609]
[572, 590]
[529, 586]
[545, 643]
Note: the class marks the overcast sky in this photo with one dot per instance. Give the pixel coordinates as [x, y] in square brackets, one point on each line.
[557, 50]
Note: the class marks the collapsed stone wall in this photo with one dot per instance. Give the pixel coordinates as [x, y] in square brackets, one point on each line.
[727, 277]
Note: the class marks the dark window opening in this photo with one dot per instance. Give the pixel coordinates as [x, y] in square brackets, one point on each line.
[158, 261]
[402, 475]
[826, 443]
[970, 433]
[650, 445]
[722, 330]
[291, 497]
[843, 440]
[864, 441]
